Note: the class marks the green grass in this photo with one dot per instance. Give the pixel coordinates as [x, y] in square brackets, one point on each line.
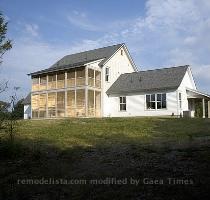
[158, 148]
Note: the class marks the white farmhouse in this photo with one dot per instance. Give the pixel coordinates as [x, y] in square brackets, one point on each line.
[105, 82]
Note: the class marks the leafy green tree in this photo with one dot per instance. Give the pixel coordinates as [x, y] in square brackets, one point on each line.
[18, 111]
[5, 43]
[4, 113]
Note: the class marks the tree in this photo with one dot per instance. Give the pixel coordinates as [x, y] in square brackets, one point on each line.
[5, 45]
[11, 121]
[18, 111]
[4, 106]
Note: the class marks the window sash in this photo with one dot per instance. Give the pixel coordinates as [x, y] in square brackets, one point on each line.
[107, 74]
[156, 101]
[123, 104]
[180, 100]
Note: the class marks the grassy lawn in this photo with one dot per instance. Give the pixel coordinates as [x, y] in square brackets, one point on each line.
[121, 150]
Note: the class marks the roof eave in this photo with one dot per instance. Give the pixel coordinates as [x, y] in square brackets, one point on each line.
[53, 70]
[141, 91]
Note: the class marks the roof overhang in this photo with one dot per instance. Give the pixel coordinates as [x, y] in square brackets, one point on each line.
[64, 67]
[195, 94]
[53, 70]
[141, 91]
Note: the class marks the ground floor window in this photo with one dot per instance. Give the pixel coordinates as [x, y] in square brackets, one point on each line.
[180, 100]
[156, 101]
[122, 103]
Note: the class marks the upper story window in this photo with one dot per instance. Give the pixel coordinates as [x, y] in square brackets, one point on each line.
[180, 100]
[156, 101]
[122, 103]
[107, 71]
[121, 52]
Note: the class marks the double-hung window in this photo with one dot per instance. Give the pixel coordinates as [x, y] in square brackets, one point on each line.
[161, 101]
[150, 101]
[122, 103]
[180, 100]
[155, 101]
[107, 74]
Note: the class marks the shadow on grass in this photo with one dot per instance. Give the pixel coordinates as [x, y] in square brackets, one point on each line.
[113, 165]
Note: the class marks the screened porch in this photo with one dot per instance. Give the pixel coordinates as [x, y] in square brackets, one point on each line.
[72, 93]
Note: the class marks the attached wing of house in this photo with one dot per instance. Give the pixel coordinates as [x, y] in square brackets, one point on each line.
[105, 82]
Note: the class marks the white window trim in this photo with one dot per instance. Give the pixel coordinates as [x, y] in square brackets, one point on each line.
[180, 100]
[123, 104]
[156, 109]
[107, 74]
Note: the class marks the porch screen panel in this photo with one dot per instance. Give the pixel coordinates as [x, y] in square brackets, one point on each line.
[61, 104]
[52, 81]
[43, 83]
[91, 77]
[35, 84]
[71, 78]
[61, 80]
[91, 110]
[97, 79]
[35, 105]
[80, 103]
[80, 76]
[52, 104]
[42, 105]
[97, 104]
[71, 103]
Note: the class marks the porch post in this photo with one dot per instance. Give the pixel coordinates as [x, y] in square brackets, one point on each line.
[208, 109]
[203, 100]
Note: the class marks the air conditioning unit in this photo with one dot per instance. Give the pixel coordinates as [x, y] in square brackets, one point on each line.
[189, 113]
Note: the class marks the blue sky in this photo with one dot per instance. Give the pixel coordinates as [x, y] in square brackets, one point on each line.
[158, 33]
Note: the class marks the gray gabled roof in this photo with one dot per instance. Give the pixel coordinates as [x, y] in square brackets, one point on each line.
[79, 59]
[27, 100]
[151, 80]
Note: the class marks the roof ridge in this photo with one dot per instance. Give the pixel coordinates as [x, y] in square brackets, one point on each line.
[160, 79]
[83, 57]
[166, 68]
[158, 69]
[94, 49]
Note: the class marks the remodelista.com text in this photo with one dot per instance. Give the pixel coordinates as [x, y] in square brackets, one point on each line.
[106, 181]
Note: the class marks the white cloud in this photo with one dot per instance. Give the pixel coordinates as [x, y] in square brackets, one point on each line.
[80, 19]
[32, 29]
[203, 72]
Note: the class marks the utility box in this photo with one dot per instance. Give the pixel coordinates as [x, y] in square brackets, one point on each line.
[189, 113]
